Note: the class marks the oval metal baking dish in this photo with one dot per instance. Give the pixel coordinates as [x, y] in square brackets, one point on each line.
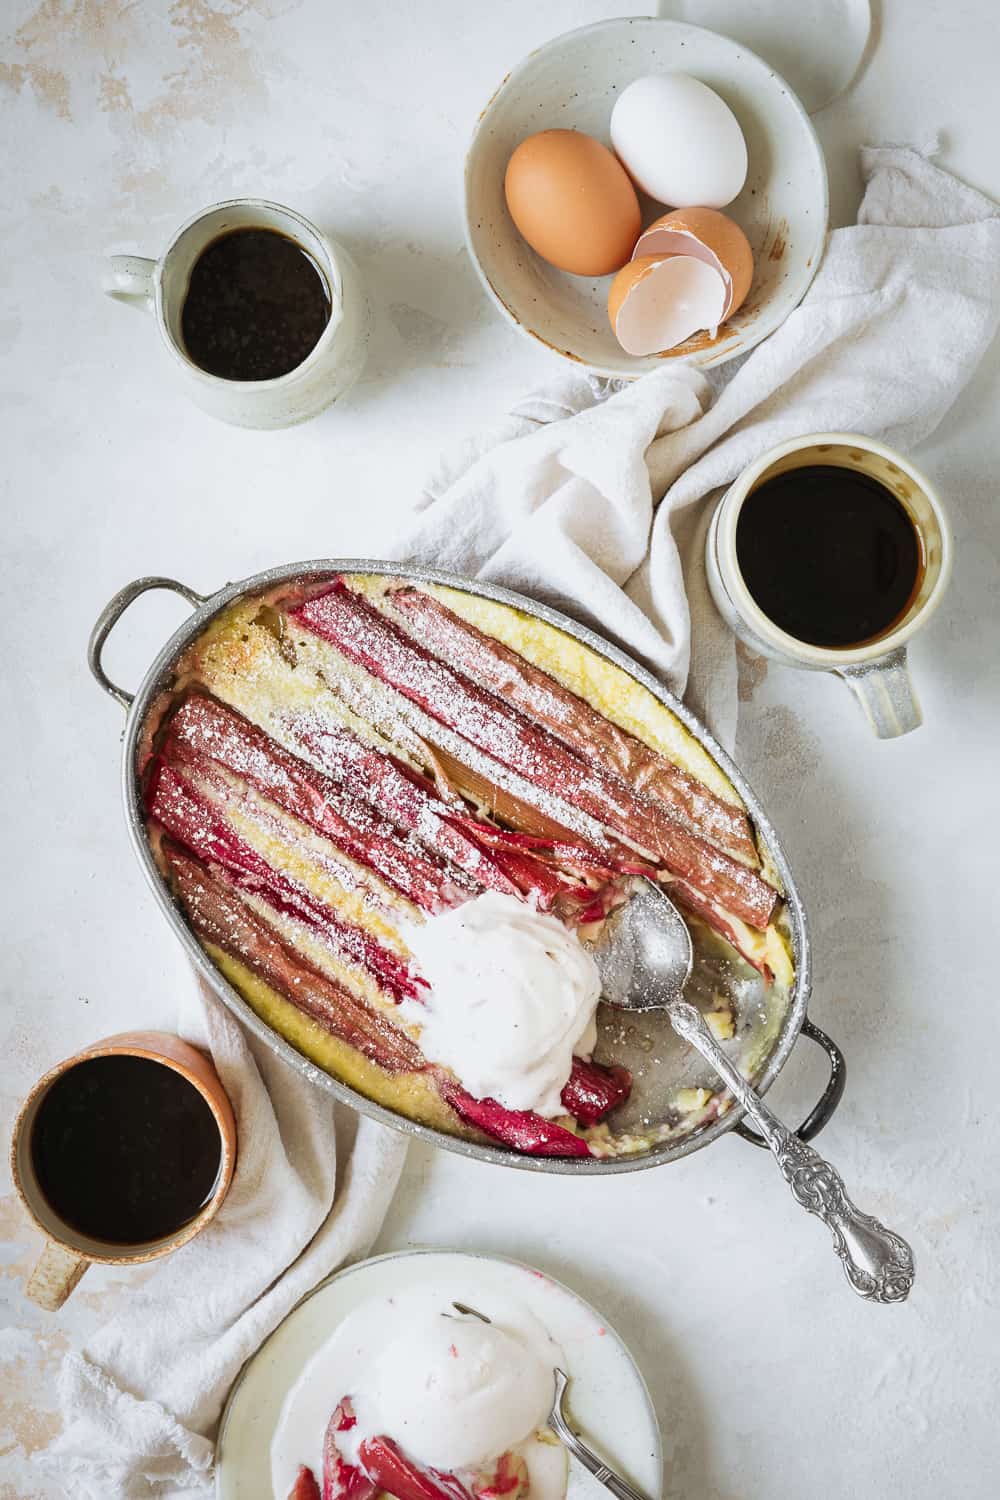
[661, 1063]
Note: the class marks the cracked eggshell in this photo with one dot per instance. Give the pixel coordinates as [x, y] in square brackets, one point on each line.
[679, 140]
[573, 202]
[656, 302]
[709, 236]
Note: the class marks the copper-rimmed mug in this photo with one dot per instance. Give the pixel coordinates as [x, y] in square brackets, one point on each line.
[68, 1252]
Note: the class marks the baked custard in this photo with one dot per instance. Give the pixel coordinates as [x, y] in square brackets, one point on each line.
[341, 763]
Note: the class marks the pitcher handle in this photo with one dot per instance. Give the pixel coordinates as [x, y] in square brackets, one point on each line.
[886, 693]
[129, 279]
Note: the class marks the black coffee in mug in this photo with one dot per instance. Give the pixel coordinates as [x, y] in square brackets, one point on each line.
[829, 554]
[125, 1149]
[256, 306]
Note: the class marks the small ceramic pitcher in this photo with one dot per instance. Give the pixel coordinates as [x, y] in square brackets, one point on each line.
[333, 365]
[68, 1252]
[876, 672]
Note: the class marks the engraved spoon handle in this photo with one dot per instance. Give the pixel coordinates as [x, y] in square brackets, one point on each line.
[877, 1262]
[602, 1472]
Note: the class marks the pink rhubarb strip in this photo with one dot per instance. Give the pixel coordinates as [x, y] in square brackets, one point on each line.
[382, 648]
[205, 729]
[191, 819]
[219, 916]
[574, 721]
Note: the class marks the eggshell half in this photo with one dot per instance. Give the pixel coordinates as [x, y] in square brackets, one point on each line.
[656, 302]
[572, 200]
[708, 235]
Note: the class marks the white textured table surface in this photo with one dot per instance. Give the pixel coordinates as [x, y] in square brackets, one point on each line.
[118, 120]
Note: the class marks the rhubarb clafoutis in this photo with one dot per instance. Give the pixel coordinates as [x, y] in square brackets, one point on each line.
[340, 760]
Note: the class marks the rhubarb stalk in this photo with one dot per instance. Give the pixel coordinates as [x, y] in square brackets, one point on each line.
[392, 1471]
[341, 1480]
[574, 721]
[494, 727]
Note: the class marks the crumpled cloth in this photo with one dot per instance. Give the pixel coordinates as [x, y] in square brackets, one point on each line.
[590, 495]
[591, 498]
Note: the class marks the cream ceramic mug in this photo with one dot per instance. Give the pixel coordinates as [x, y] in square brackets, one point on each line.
[69, 1251]
[335, 361]
[876, 671]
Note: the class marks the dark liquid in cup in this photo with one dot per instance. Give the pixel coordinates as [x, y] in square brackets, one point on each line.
[255, 307]
[125, 1149]
[829, 554]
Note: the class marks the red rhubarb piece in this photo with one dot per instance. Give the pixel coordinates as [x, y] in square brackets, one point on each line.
[495, 728]
[395, 789]
[574, 721]
[593, 1090]
[521, 1129]
[694, 901]
[191, 819]
[392, 1471]
[305, 1486]
[507, 1480]
[341, 1480]
[203, 731]
[219, 916]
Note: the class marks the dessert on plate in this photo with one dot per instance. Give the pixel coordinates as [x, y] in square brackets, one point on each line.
[418, 1398]
[396, 815]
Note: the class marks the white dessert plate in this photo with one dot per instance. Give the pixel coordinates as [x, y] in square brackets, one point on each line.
[609, 1402]
[572, 83]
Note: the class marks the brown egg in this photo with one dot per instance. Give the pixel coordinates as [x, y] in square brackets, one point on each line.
[573, 202]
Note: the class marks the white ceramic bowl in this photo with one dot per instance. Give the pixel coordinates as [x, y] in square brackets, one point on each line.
[572, 82]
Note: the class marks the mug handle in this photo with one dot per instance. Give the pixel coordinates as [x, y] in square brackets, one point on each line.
[57, 1271]
[129, 279]
[886, 693]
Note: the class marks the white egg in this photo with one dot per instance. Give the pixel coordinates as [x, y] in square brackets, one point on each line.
[679, 141]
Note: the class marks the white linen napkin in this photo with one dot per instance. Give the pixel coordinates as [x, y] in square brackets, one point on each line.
[560, 502]
[588, 495]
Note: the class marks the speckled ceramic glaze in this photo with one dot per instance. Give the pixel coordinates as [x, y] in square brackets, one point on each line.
[333, 365]
[572, 83]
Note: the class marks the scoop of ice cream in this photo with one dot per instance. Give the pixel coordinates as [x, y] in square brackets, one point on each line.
[454, 1392]
[512, 997]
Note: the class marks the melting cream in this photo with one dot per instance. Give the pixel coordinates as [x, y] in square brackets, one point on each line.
[453, 1392]
[513, 995]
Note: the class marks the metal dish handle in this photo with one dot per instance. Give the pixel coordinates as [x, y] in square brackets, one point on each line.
[827, 1102]
[112, 613]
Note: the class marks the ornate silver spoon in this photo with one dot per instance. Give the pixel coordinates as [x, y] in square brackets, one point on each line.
[645, 962]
